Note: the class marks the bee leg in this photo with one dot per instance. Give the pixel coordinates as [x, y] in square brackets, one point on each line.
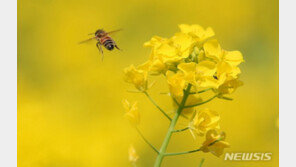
[117, 47]
[100, 49]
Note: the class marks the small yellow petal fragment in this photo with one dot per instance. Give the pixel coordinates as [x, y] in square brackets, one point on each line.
[131, 112]
[132, 154]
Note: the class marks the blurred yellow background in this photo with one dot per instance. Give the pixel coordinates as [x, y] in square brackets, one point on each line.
[69, 102]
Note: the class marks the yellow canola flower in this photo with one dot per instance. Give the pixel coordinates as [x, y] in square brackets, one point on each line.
[206, 69]
[197, 31]
[169, 52]
[158, 66]
[137, 77]
[226, 64]
[209, 74]
[132, 154]
[132, 113]
[162, 49]
[184, 43]
[166, 53]
[214, 143]
[201, 74]
[213, 50]
[189, 71]
[155, 42]
[203, 121]
[177, 83]
[154, 67]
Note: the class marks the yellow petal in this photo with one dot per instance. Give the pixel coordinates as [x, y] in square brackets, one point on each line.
[132, 113]
[234, 58]
[167, 53]
[213, 50]
[155, 41]
[205, 120]
[126, 104]
[184, 43]
[187, 67]
[208, 82]
[158, 67]
[176, 83]
[206, 68]
[189, 70]
[197, 31]
[208, 33]
[136, 76]
[230, 86]
[218, 147]
[145, 66]
[132, 154]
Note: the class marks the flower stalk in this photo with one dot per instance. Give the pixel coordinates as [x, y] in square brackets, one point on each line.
[202, 91]
[191, 151]
[157, 106]
[181, 153]
[198, 104]
[201, 162]
[181, 130]
[146, 141]
[170, 131]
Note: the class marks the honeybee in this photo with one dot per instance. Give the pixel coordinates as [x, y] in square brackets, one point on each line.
[104, 39]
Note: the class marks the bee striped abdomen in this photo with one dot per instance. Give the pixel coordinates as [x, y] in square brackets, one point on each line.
[107, 42]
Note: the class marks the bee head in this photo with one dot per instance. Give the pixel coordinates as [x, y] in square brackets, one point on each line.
[100, 33]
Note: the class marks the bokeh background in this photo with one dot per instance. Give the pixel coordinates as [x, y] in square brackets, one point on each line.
[69, 102]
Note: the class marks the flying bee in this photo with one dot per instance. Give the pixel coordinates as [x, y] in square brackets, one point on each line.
[104, 39]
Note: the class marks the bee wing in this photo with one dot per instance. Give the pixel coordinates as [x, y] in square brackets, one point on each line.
[87, 40]
[110, 32]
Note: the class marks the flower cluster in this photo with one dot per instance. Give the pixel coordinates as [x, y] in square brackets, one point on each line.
[190, 56]
[192, 62]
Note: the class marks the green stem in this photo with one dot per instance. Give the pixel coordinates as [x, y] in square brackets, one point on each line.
[143, 137]
[175, 100]
[202, 91]
[226, 98]
[198, 104]
[201, 162]
[134, 164]
[157, 106]
[192, 151]
[173, 123]
[181, 130]
[180, 153]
